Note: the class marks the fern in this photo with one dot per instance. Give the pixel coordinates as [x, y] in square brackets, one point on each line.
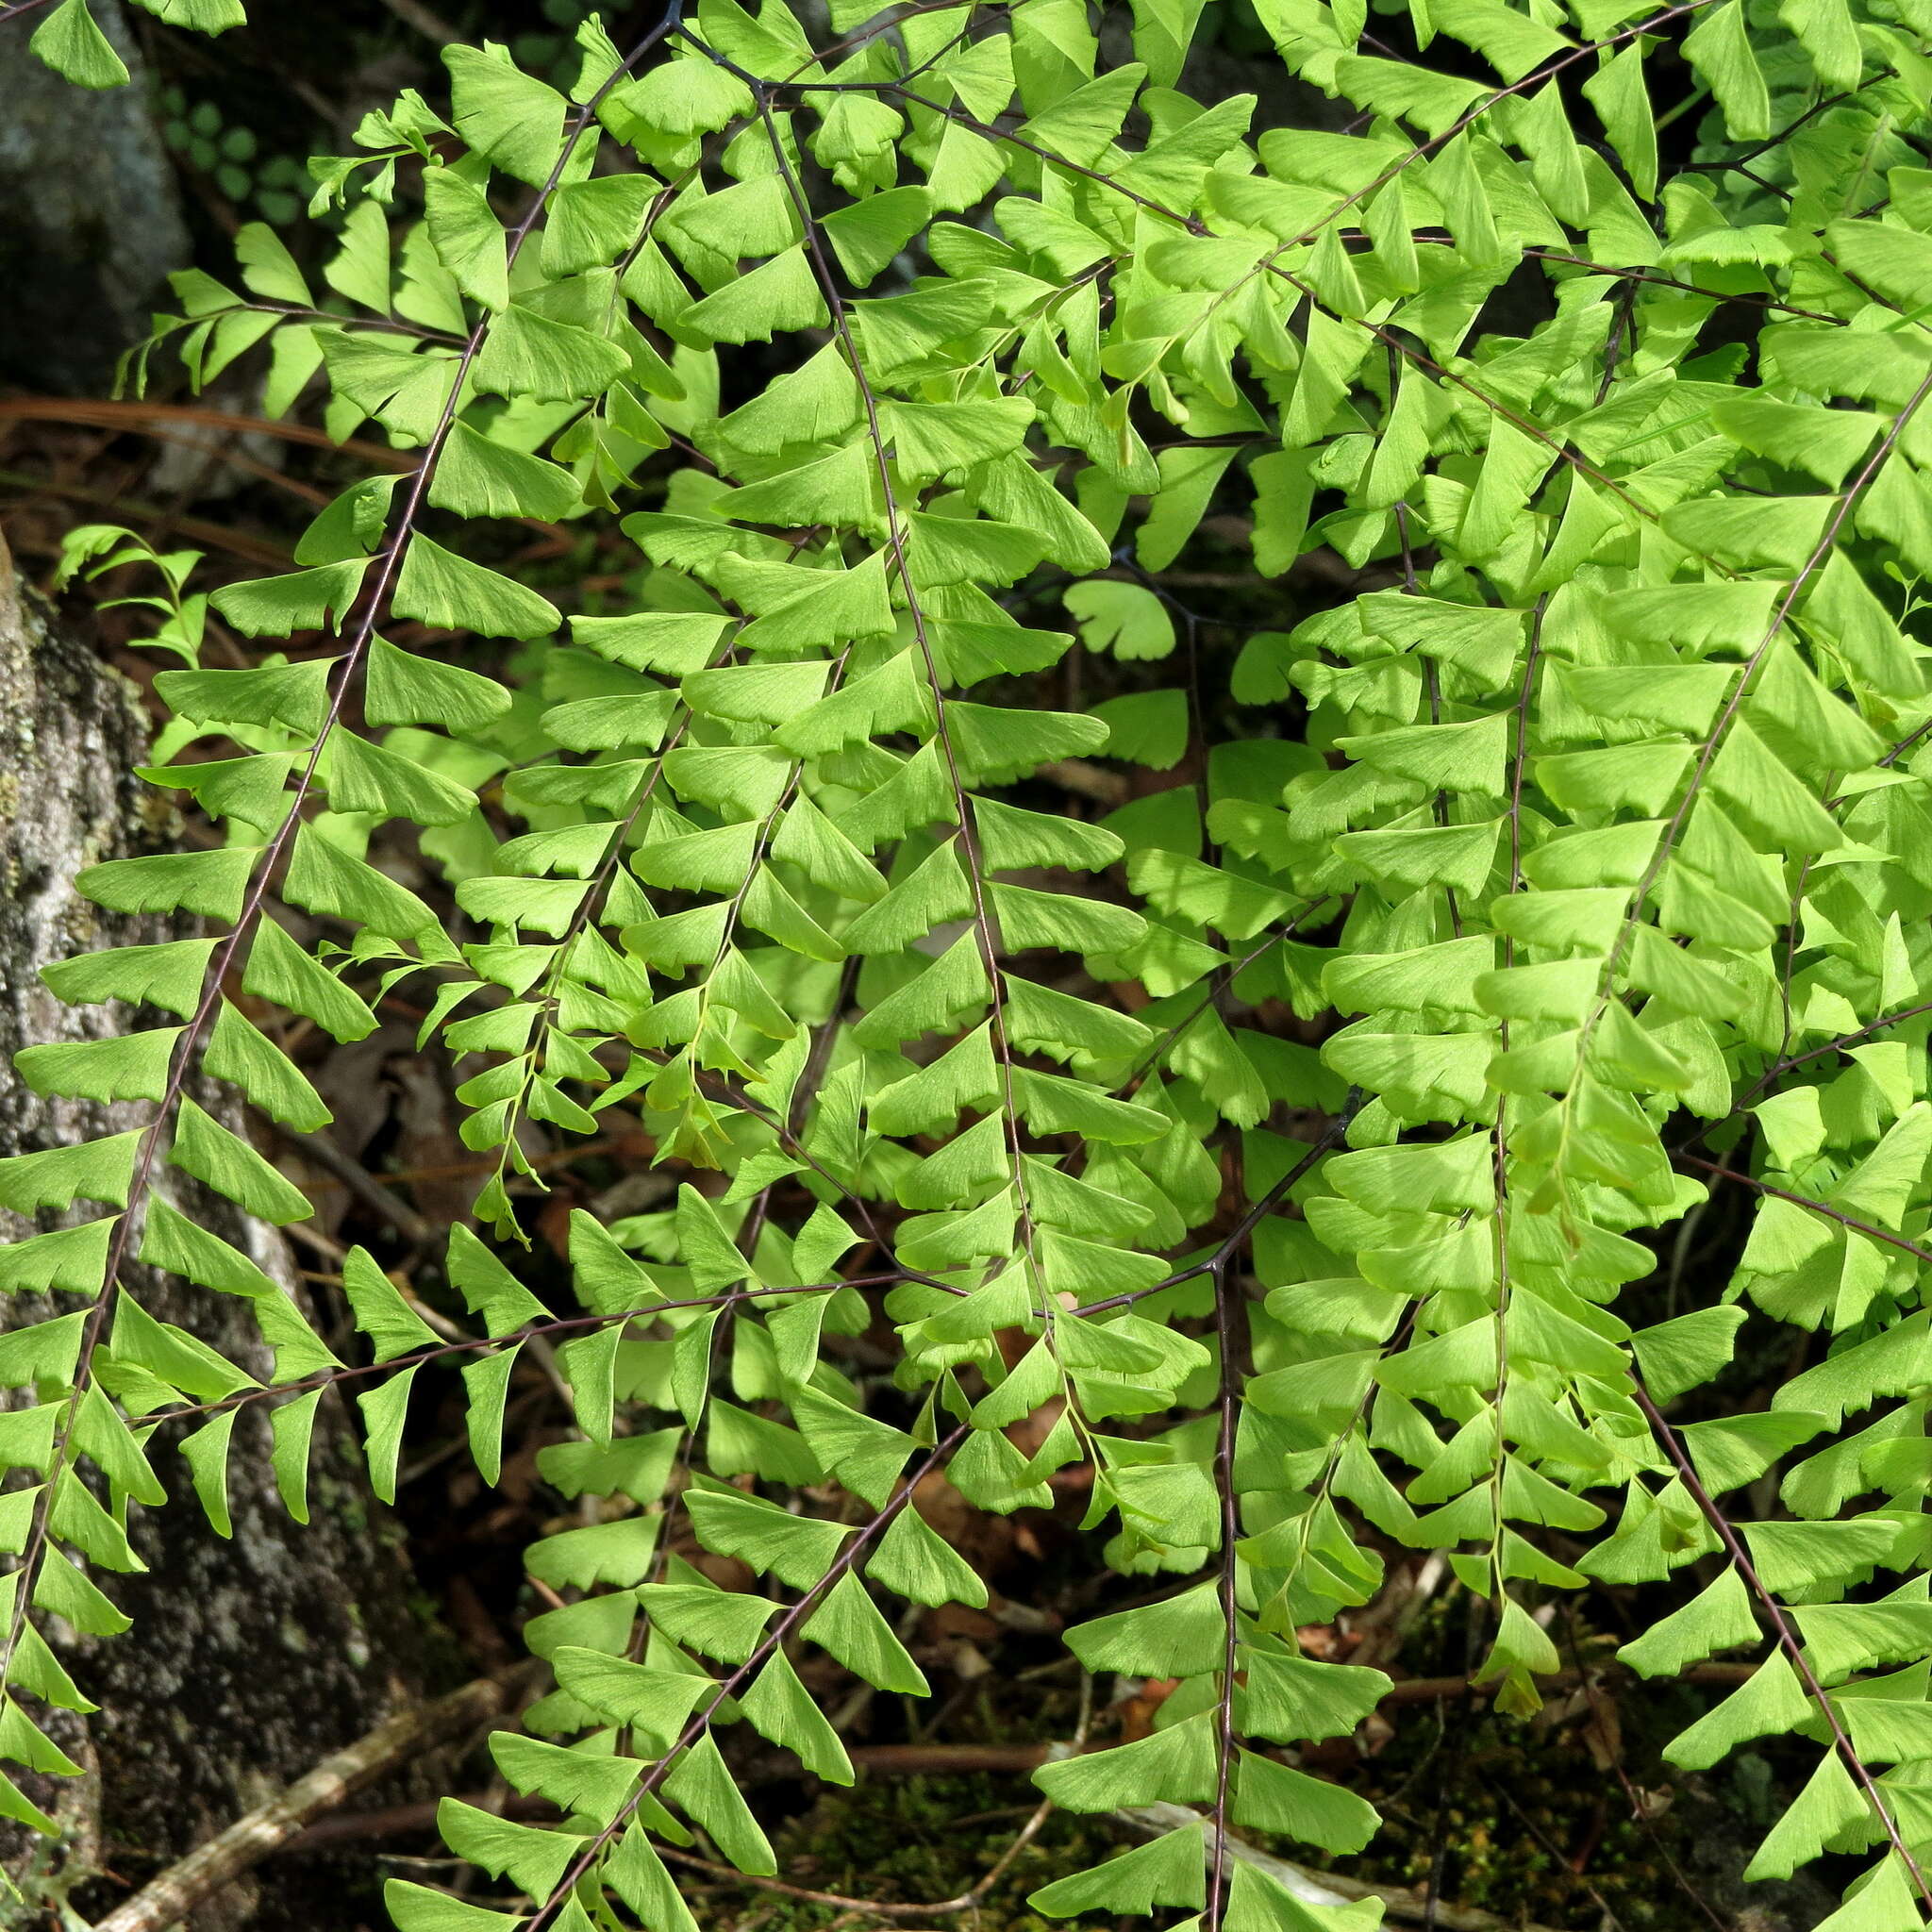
[1595, 843]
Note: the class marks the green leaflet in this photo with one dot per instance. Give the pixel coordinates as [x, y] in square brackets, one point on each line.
[366, 777]
[280, 969]
[292, 1426]
[466, 236]
[1173, 1766]
[780, 1708]
[1171, 1640]
[379, 1309]
[440, 587]
[795, 1551]
[703, 1789]
[212, 1152]
[324, 879]
[385, 1409]
[503, 114]
[531, 1859]
[209, 883]
[1719, 47]
[1271, 1797]
[1167, 1872]
[848, 1625]
[419, 1908]
[134, 1067]
[913, 1561]
[238, 1050]
[71, 42]
[722, 1624]
[527, 354]
[594, 1786]
[617, 1553]
[71, 1260]
[168, 976]
[403, 688]
[170, 1356]
[92, 1169]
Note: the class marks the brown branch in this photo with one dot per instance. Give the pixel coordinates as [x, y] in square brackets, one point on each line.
[878, 1760]
[356, 1178]
[235, 542]
[431, 26]
[134, 417]
[943, 1909]
[1437, 1690]
[1257, 1214]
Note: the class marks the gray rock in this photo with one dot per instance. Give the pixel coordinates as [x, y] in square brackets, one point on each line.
[251, 1657]
[90, 222]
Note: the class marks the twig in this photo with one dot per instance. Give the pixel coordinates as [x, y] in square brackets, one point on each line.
[132, 417]
[889, 1760]
[1553, 1851]
[364, 1186]
[236, 542]
[883, 1908]
[413, 13]
[1432, 1690]
[1087, 780]
[403, 1820]
[268, 1827]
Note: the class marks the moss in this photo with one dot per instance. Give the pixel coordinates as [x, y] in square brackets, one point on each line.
[919, 1841]
[1527, 1821]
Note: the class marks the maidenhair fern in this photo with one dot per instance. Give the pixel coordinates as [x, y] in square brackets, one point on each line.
[1590, 839]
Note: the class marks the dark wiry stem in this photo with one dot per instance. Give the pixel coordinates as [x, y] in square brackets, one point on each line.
[1229, 1327]
[1249, 1222]
[1781, 1626]
[986, 933]
[1825, 1208]
[842, 1566]
[515, 1338]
